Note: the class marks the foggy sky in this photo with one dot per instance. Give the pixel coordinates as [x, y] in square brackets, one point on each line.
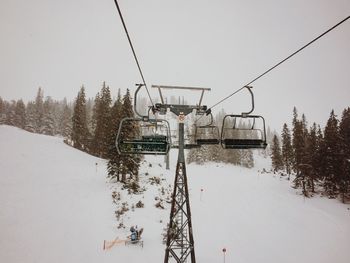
[222, 45]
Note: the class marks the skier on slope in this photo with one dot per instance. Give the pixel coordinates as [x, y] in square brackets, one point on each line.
[134, 233]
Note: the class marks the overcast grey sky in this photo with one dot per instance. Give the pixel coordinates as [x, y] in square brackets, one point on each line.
[222, 45]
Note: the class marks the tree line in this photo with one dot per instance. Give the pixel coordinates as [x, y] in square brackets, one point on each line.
[319, 158]
[89, 125]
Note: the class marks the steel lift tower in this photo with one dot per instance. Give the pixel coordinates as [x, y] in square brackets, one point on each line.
[180, 243]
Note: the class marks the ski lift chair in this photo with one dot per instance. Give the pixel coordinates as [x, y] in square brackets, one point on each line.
[243, 137]
[207, 134]
[247, 136]
[140, 136]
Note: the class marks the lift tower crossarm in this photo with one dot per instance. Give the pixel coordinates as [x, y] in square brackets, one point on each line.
[178, 109]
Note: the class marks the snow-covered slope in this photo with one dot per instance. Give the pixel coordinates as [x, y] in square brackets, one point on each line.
[54, 203]
[55, 206]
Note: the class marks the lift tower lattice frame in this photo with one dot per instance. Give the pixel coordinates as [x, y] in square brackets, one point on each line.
[180, 242]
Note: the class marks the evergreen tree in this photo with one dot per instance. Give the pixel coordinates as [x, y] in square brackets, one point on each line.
[65, 122]
[320, 155]
[94, 116]
[130, 163]
[307, 170]
[287, 150]
[276, 156]
[48, 121]
[101, 139]
[79, 128]
[39, 110]
[297, 143]
[2, 111]
[114, 158]
[311, 151]
[11, 113]
[30, 117]
[20, 114]
[344, 130]
[333, 156]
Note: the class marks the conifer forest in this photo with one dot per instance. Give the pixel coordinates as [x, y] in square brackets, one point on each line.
[315, 159]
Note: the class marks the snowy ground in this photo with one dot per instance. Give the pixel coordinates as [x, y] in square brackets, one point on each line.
[56, 206]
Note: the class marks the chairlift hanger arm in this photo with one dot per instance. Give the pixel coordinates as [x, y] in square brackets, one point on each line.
[139, 86]
[249, 88]
[210, 122]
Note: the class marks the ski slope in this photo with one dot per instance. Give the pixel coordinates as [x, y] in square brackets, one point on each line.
[56, 206]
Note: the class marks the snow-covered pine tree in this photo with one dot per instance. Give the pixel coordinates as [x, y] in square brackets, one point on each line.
[65, 120]
[48, 122]
[79, 124]
[20, 114]
[298, 144]
[30, 117]
[39, 110]
[276, 156]
[130, 163]
[307, 167]
[287, 150]
[344, 130]
[114, 158]
[333, 159]
[93, 122]
[311, 152]
[101, 138]
[320, 155]
[10, 113]
[90, 104]
[2, 111]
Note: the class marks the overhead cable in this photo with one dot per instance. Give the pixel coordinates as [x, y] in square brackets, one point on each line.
[133, 50]
[279, 63]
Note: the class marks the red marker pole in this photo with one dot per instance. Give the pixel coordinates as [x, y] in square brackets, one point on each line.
[224, 251]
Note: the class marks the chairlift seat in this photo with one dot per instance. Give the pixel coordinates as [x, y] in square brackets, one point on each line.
[149, 145]
[146, 140]
[208, 141]
[244, 144]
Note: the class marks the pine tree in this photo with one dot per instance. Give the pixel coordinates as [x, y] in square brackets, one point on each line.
[307, 168]
[2, 111]
[39, 110]
[20, 114]
[79, 125]
[333, 156]
[300, 165]
[65, 121]
[93, 121]
[298, 141]
[48, 122]
[319, 161]
[101, 139]
[287, 150]
[130, 163]
[276, 156]
[312, 150]
[30, 117]
[344, 130]
[114, 158]
[11, 113]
